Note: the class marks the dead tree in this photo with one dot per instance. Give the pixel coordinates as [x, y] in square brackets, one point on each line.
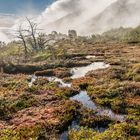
[28, 36]
[21, 35]
[34, 40]
[41, 39]
[32, 32]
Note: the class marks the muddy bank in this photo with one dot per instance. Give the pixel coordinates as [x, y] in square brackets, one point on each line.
[30, 69]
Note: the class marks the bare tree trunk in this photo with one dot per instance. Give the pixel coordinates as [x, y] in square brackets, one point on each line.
[22, 37]
[33, 30]
[25, 48]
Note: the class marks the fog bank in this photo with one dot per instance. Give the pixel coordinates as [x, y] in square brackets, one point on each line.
[86, 16]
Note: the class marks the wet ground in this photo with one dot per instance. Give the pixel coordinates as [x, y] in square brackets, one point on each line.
[83, 97]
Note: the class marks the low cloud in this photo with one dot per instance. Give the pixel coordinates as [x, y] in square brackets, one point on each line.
[87, 16]
[63, 15]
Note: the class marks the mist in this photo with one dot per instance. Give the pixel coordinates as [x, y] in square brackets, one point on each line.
[90, 16]
[86, 16]
[63, 15]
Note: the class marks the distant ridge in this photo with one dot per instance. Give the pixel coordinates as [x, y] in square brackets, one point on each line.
[121, 13]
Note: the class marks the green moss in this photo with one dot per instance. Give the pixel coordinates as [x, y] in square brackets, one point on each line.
[24, 101]
[89, 118]
[66, 92]
[134, 73]
[41, 56]
[122, 131]
[133, 111]
[83, 134]
[4, 109]
[23, 133]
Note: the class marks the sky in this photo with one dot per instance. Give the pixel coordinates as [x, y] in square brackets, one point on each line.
[23, 6]
[85, 16]
[47, 14]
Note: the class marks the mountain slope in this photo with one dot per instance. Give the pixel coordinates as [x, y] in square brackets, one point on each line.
[121, 13]
[93, 17]
[63, 15]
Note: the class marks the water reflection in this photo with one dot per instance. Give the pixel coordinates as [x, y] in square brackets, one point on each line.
[82, 71]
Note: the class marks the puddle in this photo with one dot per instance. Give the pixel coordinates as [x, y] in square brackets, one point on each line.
[60, 81]
[74, 125]
[33, 79]
[82, 71]
[83, 98]
[77, 72]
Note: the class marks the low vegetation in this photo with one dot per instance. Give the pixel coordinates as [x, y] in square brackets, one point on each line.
[44, 109]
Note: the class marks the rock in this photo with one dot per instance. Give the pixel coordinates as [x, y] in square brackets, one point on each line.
[72, 34]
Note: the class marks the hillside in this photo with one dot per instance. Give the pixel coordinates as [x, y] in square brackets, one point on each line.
[91, 19]
[121, 13]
